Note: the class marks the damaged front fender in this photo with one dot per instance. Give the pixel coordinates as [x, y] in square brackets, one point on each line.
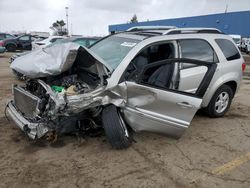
[72, 104]
[99, 97]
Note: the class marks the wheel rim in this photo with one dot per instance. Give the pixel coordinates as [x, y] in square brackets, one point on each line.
[222, 102]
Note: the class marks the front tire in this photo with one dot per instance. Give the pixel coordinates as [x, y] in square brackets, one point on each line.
[220, 102]
[115, 128]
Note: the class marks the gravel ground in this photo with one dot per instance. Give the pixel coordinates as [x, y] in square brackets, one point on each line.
[211, 153]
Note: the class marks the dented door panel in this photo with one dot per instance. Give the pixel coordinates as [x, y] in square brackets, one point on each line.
[156, 110]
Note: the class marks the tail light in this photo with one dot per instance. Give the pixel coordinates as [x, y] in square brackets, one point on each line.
[1, 43]
[243, 67]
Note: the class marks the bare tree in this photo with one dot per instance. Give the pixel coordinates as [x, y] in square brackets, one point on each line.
[134, 19]
[59, 28]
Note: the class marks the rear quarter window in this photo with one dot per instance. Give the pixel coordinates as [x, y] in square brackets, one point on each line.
[228, 48]
[197, 49]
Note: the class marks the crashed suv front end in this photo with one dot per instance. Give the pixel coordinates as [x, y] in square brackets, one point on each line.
[64, 96]
[38, 109]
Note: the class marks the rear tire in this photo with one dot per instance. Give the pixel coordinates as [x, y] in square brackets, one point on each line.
[11, 48]
[115, 128]
[220, 102]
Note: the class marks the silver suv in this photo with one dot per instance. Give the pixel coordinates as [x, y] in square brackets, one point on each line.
[140, 80]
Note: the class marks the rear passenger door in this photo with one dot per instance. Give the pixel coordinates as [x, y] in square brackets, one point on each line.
[190, 74]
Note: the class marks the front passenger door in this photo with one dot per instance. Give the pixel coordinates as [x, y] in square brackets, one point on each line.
[156, 104]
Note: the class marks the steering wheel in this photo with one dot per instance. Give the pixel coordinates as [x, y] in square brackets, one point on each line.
[131, 72]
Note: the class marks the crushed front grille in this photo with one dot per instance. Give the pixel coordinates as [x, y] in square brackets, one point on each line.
[25, 101]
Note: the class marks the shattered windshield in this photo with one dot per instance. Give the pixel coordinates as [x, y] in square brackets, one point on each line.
[113, 49]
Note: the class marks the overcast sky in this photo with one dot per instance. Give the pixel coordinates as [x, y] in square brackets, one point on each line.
[92, 17]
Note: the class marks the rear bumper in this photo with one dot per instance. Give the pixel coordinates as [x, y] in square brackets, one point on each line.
[33, 130]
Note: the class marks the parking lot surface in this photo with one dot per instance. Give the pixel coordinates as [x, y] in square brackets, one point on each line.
[211, 153]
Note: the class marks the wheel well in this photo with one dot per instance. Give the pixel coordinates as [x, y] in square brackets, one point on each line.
[233, 85]
[11, 44]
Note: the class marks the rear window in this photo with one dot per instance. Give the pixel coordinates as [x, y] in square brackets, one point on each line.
[228, 48]
[197, 49]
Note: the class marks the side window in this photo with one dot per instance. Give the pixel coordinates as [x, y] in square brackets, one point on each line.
[168, 76]
[33, 38]
[228, 48]
[197, 49]
[159, 76]
[151, 54]
[24, 38]
[8, 36]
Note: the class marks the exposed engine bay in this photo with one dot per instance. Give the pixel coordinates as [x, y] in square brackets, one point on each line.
[61, 103]
[48, 104]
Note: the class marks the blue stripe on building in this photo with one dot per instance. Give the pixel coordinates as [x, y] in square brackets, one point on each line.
[229, 23]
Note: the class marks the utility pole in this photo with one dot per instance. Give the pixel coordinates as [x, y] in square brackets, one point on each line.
[67, 19]
[226, 6]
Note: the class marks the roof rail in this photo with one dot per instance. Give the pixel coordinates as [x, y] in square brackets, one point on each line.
[192, 30]
[142, 28]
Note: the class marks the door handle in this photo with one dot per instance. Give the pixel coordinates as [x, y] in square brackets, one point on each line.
[185, 104]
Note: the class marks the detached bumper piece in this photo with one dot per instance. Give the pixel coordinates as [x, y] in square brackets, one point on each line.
[33, 130]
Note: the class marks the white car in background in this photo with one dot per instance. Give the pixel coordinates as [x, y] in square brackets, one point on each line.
[247, 44]
[237, 40]
[243, 45]
[46, 42]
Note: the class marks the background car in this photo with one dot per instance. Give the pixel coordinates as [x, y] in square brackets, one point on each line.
[43, 43]
[18, 43]
[82, 41]
[237, 40]
[4, 36]
[247, 45]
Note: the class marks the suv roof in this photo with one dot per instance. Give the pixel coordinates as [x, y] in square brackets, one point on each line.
[161, 31]
[192, 31]
[149, 32]
[176, 32]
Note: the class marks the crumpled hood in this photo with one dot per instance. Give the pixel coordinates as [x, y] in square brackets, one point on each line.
[56, 59]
